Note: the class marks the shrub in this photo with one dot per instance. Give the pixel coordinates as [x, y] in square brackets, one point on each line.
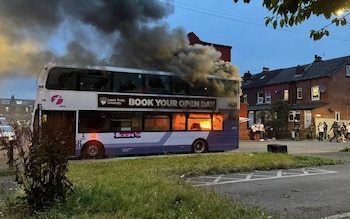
[42, 166]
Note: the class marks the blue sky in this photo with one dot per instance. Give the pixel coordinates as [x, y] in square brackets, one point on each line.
[241, 26]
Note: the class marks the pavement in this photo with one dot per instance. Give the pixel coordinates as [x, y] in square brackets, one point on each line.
[306, 147]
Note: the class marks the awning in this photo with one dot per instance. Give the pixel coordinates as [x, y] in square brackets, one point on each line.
[243, 119]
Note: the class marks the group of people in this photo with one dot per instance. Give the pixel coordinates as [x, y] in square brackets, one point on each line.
[258, 131]
[340, 131]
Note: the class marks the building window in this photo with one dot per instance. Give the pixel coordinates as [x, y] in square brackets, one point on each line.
[294, 116]
[267, 97]
[299, 93]
[260, 98]
[315, 93]
[285, 95]
[347, 70]
[245, 98]
[7, 109]
[5, 101]
[337, 116]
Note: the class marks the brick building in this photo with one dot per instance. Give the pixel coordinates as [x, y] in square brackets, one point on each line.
[226, 56]
[315, 92]
[18, 111]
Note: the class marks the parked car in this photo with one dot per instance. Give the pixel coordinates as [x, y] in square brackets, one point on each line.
[7, 133]
[3, 121]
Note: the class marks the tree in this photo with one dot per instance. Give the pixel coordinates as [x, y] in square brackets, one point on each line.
[279, 111]
[293, 12]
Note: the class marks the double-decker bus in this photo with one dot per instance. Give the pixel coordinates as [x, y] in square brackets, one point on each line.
[119, 111]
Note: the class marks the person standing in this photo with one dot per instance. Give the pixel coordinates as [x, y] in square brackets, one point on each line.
[320, 131]
[253, 128]
[325, 133]
[297, 132]
[347, 131]
[342, 132]
[258, 131]
[336, 130]
[311, 131]
[262, 135]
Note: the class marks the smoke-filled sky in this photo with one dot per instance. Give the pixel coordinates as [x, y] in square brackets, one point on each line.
[148, 34]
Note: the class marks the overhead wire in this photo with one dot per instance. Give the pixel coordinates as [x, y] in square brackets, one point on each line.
[249, 20]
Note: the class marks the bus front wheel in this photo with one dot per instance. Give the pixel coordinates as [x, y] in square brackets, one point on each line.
[199, 146]
[92, 149]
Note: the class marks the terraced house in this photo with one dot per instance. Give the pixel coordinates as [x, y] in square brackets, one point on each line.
[315, 92]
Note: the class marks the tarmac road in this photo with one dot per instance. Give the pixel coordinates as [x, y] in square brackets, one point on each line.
[325, 194]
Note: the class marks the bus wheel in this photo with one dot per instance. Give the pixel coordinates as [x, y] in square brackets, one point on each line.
[199, 146]
[92, 149]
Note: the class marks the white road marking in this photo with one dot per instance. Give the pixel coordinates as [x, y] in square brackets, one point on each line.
[255, 176]
[249, 176]
[218, 178]
[338, 216]
[305, 172]
[279, 173]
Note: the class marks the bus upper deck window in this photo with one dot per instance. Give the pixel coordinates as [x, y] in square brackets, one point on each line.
[62, 78]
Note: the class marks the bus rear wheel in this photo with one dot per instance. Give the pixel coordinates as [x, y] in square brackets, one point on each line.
[199, 146]
[92, 150]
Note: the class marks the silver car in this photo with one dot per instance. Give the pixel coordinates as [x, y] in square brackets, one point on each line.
[7, 133]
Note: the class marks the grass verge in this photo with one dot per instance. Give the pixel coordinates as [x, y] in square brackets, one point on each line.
[154, 187]
[346, 149]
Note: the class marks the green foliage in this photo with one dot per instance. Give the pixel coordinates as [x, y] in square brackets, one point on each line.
[42, 170]
[279, 111]
[294, 12]
[317, 35]
[155, 187]
[346, 149]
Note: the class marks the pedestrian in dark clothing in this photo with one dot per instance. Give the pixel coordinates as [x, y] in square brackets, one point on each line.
[325, 135]
[336, 131]
[297, 132]
[311, 131]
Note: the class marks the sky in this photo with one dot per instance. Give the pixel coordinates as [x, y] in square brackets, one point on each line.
[90, 32]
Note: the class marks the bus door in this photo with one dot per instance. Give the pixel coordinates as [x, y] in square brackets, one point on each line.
[52, 121]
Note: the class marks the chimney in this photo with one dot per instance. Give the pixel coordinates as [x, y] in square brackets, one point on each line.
[247, 76]
[317, 58]
[299, 70]
[12, 100]
[265, 69]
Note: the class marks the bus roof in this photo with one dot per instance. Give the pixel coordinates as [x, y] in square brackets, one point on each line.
[48, 66]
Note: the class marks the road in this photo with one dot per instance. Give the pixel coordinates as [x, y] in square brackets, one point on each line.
[313, 193]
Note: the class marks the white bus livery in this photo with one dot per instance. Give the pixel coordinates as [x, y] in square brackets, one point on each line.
[122, 111]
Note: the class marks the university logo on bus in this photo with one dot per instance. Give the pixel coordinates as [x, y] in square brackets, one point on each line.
[120, 101]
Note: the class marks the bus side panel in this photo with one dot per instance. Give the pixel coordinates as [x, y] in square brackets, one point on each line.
[160, 149]
[144, 143]
[224, 140]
